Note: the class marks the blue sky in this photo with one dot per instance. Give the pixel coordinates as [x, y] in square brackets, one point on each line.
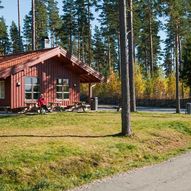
[9, 12]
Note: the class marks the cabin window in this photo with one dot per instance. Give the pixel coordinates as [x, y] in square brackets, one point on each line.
[62, 89]
[2, 89]
[32, 88]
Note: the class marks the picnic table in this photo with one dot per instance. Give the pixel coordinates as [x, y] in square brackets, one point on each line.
[77, 106]
[55, 106]
[29, 107]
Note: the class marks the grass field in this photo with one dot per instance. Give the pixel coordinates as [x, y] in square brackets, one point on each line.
[59, 151]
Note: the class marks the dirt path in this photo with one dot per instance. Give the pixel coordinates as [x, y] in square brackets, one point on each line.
[173, 175]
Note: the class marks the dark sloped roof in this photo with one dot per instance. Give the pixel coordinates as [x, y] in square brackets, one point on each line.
[14, 63]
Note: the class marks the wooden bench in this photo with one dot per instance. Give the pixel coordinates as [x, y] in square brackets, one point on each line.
[80, 105]
[29, 107]
[69, 107]
[55, 106]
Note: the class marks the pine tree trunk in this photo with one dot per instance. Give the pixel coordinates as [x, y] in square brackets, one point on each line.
[131, 57]
[125, 114]
[19, 24]
[79, 51]
[70, 43]
[33, 26]
[151, 43]
[109, 55]
[89, 36]
[119, 59]
[181, 63]
[177, 73]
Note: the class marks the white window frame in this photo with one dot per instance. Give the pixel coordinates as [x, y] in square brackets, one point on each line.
[32, 84]
[63, 91]
[2, 89]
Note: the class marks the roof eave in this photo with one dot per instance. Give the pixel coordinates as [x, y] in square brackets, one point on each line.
[95, 77]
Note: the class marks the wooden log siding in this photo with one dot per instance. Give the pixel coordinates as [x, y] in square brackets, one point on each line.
[47, 72]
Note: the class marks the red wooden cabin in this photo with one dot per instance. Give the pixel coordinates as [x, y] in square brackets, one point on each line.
[53, 72]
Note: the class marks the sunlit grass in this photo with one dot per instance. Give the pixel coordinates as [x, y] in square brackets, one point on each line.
[64, 150]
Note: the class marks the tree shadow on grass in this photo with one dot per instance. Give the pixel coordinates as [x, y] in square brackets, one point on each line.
[63, 136]
[2, 116]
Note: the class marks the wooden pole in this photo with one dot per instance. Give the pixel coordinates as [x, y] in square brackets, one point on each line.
[125, 114]
[89, 93]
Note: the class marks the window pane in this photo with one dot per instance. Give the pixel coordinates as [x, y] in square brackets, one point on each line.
[59, 88]
[28, 96]
[35, 80]
[66, 95]
[65, 81]
[36, 95]
[36, 88]
[66, 88]
[32, 88]
[59, 95]
[28, 80]
[28, 88]
[2, 89]
[59, 81]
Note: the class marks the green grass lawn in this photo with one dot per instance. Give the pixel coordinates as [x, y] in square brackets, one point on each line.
[59, 151]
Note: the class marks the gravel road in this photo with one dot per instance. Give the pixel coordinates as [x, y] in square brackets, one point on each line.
[172, 175]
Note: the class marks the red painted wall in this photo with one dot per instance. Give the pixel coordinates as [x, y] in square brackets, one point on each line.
[47, 72]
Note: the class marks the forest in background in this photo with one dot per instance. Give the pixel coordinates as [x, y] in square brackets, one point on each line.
[99, 46]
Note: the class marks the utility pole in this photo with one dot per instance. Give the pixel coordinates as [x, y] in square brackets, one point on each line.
[131, 57]
[33, 25]
[125, 114]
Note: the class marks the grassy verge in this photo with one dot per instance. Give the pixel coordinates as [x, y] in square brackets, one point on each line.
[64, 150]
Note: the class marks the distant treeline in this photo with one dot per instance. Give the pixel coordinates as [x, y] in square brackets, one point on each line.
[99, 45]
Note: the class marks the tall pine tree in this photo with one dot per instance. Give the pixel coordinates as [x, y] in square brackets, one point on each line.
[110, 29]
[4, 38]
[68, 29]
[177, 26]
[99, 52]
[148, 40]
[41, 25]
[27, 32]
[16, 41]
[54, 21]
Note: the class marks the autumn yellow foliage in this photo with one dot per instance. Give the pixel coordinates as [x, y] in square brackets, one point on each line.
[139, 83]
[158, 87]
[111, 88]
